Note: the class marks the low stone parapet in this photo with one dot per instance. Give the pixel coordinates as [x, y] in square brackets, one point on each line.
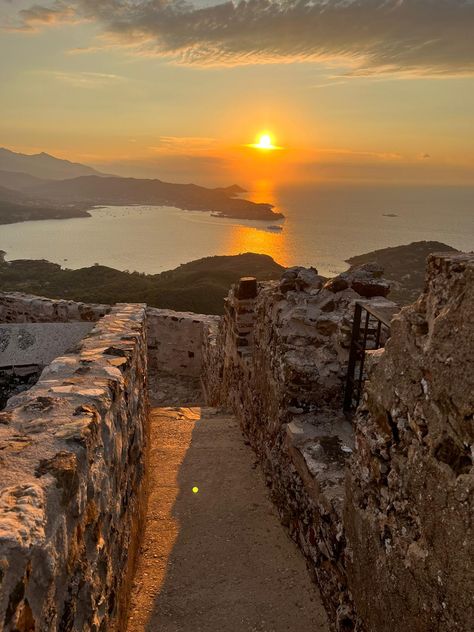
[16, 307]
[72, 480]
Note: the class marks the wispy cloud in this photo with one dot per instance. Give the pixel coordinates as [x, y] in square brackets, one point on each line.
[186, 145]
[367, 37]
[84, 79]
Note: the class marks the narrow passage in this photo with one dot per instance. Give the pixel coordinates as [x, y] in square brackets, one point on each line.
[215, 558]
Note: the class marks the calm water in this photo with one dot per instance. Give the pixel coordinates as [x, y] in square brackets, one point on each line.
[323, 227]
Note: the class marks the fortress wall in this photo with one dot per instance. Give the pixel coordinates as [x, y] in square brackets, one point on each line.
[73, 468]
[410, 489]
[278, 361]
[385, 520]
[16, 307]
[175, 340]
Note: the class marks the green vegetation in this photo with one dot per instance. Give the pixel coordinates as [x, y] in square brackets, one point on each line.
[199, 286]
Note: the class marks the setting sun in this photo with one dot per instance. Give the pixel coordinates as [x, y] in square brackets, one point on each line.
[264, 141]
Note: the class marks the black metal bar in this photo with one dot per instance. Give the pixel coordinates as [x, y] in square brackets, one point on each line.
[377, 339]
[377, 317]
[362, 361]
[353, 355]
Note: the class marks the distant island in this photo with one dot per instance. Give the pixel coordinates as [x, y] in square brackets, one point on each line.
[199, 286]
[71, 190]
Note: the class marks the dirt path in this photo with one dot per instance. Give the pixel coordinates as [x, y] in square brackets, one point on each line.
[217, 560]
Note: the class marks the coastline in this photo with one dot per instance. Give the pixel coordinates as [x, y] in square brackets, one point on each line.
[25, 213]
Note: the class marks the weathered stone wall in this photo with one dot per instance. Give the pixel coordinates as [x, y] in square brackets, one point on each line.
[25, 308]
[278, 360]
[175, 340]
[391, 547]
[72, 461]
[38, 343]
[410, 490]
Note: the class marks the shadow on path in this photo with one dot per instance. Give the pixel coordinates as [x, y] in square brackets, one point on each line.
[217, 560]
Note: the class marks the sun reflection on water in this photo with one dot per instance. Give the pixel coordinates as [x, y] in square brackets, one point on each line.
[261, 239]
[243, 239]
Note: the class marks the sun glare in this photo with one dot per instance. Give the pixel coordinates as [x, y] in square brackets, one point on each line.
[265, 142]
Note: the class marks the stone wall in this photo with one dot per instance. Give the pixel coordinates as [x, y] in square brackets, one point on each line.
[25, 308]
[73, 457]
[384, 517]
[409, 513]
[278, 360]
[175, 340]
[38, 343]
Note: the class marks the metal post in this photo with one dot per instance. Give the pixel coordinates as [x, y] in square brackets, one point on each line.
[353, 356]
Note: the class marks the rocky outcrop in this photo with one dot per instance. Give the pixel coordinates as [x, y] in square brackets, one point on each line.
[73, 464]
[366, 280]
[410, 489]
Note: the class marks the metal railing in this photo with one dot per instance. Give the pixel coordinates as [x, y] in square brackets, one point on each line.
[370, 331]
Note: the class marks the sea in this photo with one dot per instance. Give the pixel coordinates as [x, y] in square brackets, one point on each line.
[324, 225]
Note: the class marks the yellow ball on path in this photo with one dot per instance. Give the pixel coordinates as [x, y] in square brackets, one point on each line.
[195, 490]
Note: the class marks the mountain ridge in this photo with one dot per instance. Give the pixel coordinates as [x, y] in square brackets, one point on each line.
[43, 165]
[52, 185]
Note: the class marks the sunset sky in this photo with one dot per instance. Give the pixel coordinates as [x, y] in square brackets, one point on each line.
[357, 91]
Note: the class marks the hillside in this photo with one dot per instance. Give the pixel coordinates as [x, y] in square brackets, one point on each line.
[18, 181]
[51, 185]
[10, 195]
[12, 213]
[16, 206]
[43, 165]
[404, 266]
[94, 190]
[199, 286]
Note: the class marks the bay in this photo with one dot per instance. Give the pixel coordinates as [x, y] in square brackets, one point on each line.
[324, 226]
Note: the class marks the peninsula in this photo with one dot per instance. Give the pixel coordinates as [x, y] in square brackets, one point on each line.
[71, 190]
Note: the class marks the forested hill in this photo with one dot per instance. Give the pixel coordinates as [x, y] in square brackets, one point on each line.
[199, 286]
